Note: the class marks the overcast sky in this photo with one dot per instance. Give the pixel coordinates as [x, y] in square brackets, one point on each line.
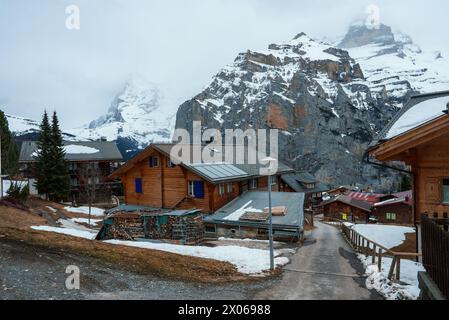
[179, 44]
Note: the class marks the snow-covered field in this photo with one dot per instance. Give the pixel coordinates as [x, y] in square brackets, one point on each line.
[390, 290]
[386, 235]
[94, 211]
[248, 261]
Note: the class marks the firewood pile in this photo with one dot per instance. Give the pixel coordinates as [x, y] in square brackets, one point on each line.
[189, 229]
[125, 226]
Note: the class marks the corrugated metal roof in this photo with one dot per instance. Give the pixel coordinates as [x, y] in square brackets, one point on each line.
[98, 150]
[218, 171]
[258, 200]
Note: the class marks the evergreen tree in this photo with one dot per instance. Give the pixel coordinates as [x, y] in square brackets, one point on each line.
[43, 166]
[60, 179]
[406, 183]
[10, 154]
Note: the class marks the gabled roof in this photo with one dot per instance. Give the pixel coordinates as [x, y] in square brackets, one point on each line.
[258, 201]
[76, 151]
[214, 172]
[420, 110]
[363, 205]
[296, 181]
[365, 196]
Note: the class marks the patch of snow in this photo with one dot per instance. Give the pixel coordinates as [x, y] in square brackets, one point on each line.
[378, 280]
[77, 149]
[51, 209]
[385, 235]
[85, 234]
[248, 261]
[418, 115]
[94, 211]
[93, 222]
[235, 216]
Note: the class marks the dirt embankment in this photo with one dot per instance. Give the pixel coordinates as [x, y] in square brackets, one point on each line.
[15, 225]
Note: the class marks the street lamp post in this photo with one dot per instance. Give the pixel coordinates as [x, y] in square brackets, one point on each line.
[270, 213]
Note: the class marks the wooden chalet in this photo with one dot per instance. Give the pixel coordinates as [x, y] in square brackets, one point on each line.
[419, 137]
[306, 183]
[346, 208]
[90, 163]
[152, 179]
[395, 210]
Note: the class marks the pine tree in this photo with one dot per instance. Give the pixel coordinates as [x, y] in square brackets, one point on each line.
[43, 166]
[406, 183]
[60, 179]
[10, 154]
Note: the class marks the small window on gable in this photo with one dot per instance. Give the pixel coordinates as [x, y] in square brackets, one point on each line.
[153, 161]
[170, 164]
[446, 191]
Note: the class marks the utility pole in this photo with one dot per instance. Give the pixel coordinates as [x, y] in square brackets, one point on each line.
[269, 160]
[1, 177]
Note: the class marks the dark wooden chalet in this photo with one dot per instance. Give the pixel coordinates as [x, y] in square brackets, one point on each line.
[306, 183]
[395, 210]
[152, 179]
[90, 163]
[346, 208]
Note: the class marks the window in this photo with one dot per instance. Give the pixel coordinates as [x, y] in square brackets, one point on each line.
[221, 189]
[170, 164]
[229, 187]
[272, 179]
[391, 216]
[196, 189]
[190, 191]
[138, 185]
[153, 162]
[210, 229]
[446, 191]
[253, 184]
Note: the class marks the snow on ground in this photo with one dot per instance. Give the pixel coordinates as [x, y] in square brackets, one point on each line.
[71, 232]
[51, 209]
[7, 185]
[249, 240]
[390, 290]
[94, 211]
[246, 260]
[93, 222]
[385, 235]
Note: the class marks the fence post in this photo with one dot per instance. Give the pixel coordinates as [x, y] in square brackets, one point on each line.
[379, 260]
[390, 273]
[374, 254]
[398, 269]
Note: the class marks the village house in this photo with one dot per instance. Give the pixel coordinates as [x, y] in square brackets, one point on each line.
[90, 163]
[395, 210]
[346, 208]
[152, 179]
[419, 137]
[306, 183]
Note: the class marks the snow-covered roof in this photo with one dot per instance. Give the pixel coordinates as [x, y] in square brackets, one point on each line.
[420, 110]
[418, 115]
[76, 151]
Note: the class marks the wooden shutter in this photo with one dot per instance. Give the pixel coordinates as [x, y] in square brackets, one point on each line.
[138, 185]
[198, 189]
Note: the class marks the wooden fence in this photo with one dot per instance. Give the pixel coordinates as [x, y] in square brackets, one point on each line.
[435, 249]
[368, 247]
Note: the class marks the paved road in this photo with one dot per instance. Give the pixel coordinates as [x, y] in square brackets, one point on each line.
[325, 268]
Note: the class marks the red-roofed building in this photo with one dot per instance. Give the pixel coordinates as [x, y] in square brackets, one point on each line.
[396, 210]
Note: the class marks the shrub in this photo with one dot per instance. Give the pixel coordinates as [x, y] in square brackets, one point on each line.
[18, 193]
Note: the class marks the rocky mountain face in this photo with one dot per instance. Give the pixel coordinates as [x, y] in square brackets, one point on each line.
[137, 116]
[327, 102]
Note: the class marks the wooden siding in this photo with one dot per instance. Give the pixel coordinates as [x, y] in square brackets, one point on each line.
[337, 209]
[403, 213]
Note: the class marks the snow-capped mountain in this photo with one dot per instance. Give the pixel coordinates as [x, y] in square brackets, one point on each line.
[138, 115]
[393, 64]
[328, 102]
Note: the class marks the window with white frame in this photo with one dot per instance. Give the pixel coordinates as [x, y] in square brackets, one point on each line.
[446, 191]
[253, 184]
[229, 187]
[221, 189]
[191, 189]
